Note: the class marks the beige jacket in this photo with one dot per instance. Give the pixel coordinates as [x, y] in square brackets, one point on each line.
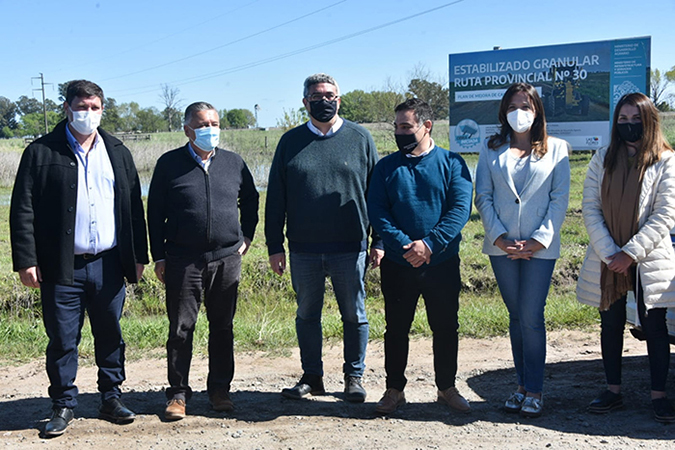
[650, 247]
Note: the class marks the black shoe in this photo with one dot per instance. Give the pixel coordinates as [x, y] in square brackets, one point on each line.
[308, 384]
[113, 410]
[606, 402]
[354, 392]
[61, 417]
[663, 410]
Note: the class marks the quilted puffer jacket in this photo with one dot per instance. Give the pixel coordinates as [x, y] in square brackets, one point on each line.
[650, 247]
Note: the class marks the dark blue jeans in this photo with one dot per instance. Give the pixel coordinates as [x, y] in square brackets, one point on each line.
[347, 272]
[654, 326]
[98, 289]
[187, 280]
[524, 287]
[402, 286]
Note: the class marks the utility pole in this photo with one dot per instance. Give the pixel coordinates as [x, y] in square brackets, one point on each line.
[44, 104]
[256, 108]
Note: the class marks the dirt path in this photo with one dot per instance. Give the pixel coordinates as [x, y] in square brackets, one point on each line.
[264, 420]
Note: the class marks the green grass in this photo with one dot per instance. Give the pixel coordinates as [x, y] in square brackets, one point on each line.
[265, 318]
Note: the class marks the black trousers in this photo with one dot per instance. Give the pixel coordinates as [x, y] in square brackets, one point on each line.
[655, 329]
[186, 280]
[402, 286]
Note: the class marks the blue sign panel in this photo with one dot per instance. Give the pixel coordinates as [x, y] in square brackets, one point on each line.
[579, 85]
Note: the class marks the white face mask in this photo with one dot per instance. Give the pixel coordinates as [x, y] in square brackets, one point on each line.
[520, 120]
[85, 122]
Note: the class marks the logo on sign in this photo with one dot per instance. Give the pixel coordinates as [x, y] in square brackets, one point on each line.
[467, 133]
[593, 141]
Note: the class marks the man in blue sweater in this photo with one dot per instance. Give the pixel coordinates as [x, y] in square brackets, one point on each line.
[202, 214]
[317, 189]
[419, 199]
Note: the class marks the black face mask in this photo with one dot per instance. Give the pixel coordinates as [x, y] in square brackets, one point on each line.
[323, 110]
[406, 143]
[630, 132]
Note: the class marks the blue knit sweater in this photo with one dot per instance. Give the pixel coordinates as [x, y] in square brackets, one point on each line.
[425, 198]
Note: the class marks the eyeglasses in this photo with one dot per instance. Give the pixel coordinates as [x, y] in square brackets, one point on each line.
[315, 97]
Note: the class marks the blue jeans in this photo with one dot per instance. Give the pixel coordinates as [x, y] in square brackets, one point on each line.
[98, 288]
[524, 286]
[308, 275]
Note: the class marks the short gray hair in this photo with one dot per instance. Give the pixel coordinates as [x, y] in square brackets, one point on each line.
[196, 107]
[319, 78]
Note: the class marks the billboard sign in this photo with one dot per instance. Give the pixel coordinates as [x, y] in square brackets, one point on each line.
[579, 85]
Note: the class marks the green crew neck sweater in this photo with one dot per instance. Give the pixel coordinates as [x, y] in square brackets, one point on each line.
[317, 189]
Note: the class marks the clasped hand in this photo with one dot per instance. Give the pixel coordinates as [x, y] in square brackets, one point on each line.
[620, 263]
[418, 253]
[519, 249]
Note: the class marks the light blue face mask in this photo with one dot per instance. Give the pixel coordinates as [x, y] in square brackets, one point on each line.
[207, 138]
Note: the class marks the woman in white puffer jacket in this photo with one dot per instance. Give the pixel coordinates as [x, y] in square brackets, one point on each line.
[629, 210]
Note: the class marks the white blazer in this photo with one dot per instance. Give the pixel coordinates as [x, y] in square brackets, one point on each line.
[538, 212]
[651, 246]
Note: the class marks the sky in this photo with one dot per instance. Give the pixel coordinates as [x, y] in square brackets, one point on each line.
[242, 53]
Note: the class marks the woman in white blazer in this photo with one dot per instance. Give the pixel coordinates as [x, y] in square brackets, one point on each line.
[522, 191]
[629, 210]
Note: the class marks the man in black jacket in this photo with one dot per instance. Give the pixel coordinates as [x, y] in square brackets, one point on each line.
[77, 230]
[197, 240]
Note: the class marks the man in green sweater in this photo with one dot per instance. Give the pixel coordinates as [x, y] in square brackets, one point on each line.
[317, 189]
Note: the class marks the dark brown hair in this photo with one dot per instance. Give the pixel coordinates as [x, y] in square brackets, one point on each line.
[653, 140]
[83, 89]
[420, 108]
[538, 134]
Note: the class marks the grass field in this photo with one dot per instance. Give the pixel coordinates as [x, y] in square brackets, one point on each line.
[266, 309]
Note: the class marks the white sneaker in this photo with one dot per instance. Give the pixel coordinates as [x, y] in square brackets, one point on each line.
[514, 403]
[532, 407]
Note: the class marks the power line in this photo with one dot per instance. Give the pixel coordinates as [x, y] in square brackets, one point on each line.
[225, 45]
[289, 54]
[147, 44]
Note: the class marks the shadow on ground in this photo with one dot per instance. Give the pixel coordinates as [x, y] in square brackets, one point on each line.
[569, 387]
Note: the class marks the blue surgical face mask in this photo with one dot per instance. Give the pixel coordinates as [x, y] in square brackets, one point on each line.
[207, 138]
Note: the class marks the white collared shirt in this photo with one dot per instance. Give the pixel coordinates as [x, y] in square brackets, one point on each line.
[95, 228]
[432, 144]
[336, 126]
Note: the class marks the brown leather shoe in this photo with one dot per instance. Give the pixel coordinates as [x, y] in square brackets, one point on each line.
[390, 401]
[175, 409]
[220, 401]
[454, 400]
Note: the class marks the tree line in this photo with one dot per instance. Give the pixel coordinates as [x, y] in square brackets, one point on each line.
[24, 117]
